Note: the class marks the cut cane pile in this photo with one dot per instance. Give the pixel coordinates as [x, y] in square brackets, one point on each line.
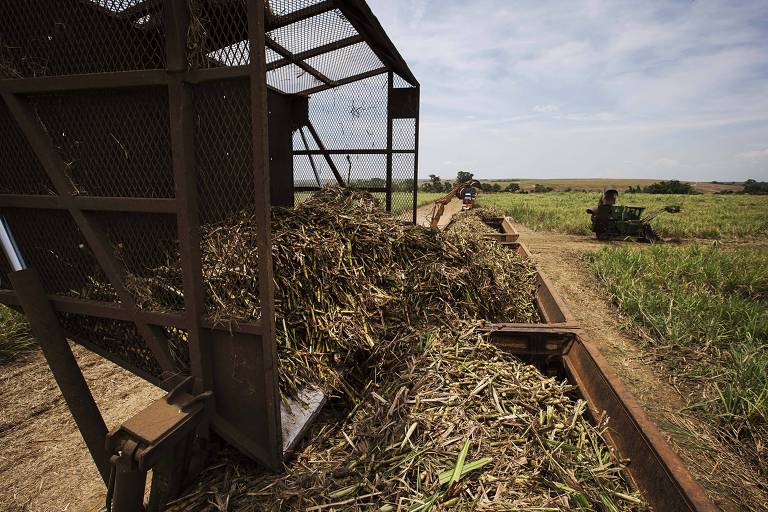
[456, 425]
[426, 414]
[353, 284]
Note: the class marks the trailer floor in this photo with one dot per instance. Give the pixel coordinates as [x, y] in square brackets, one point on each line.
[731, 482]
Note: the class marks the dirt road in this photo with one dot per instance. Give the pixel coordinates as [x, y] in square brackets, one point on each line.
[424, 213]
[44, 464]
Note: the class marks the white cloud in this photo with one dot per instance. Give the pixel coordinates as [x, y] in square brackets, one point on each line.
[575, 88]
[754, 156]
[544, 109]
[668, 163]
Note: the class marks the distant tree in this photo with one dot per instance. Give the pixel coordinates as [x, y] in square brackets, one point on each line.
[756, 187]
[541, 189]
[670, 187]
[434, 184]
[463, 176]
[512, 187]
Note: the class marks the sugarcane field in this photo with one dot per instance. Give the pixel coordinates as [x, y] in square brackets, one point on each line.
[383, 256]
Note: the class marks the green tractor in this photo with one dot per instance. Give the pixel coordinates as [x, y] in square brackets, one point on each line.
[615, 222]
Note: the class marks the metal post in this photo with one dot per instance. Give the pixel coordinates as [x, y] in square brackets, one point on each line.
[48, 333]
[416, 161]
[181, 109]
[326, 154]
[260, 148]
[390, 86]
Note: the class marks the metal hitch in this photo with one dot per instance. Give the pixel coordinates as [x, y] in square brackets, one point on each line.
[159, 438]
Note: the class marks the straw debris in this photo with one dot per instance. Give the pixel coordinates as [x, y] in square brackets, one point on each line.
[456, 425]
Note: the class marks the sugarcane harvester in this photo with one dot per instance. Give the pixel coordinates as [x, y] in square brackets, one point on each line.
[618, 222]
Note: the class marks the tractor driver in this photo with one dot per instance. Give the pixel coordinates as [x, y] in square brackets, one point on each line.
[610, 195]
[604, 209]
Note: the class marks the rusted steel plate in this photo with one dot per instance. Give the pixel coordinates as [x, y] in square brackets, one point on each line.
[655, 468]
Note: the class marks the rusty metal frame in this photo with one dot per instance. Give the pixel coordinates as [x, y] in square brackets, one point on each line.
[250, 419]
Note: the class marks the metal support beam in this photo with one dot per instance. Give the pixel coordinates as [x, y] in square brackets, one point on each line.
[390, 86]
[88, 203]
[311, 158]
[344, 81]
[176, 21]
[48, 333]
[275, 21]
[325, 153]
[314, 52]
[365, 151]
[114, 80]
[260, 148]
[416, 163]
[285, 54]
[54, 167]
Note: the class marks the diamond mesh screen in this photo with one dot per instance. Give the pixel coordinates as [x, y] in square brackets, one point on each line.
[114, 143]
[79, 36]
[118, 338]
[147, 247]
[51, 243]
[22, 173]
[223, 149]
[352, 116]
[5, 269]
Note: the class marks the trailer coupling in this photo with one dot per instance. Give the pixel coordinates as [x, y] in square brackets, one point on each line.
[168, 437]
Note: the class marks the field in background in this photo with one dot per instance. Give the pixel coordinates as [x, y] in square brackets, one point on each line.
[428, 197]
[598, 184]
[703, 216]
[705, 310]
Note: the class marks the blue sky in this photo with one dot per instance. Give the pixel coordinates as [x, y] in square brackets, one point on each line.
[567, 88]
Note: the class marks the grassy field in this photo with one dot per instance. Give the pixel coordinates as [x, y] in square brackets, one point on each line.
[428, 197]
[14, 334]
[703, 216]
[598, 184]
[705, 309]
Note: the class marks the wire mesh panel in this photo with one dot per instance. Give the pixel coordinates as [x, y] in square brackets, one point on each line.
[52, 243]
[114, 143]
[352, 116]
[38, 38]
[146, 246]
[118, 339]
[223, 149]
[24, 174]
[5, 269]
